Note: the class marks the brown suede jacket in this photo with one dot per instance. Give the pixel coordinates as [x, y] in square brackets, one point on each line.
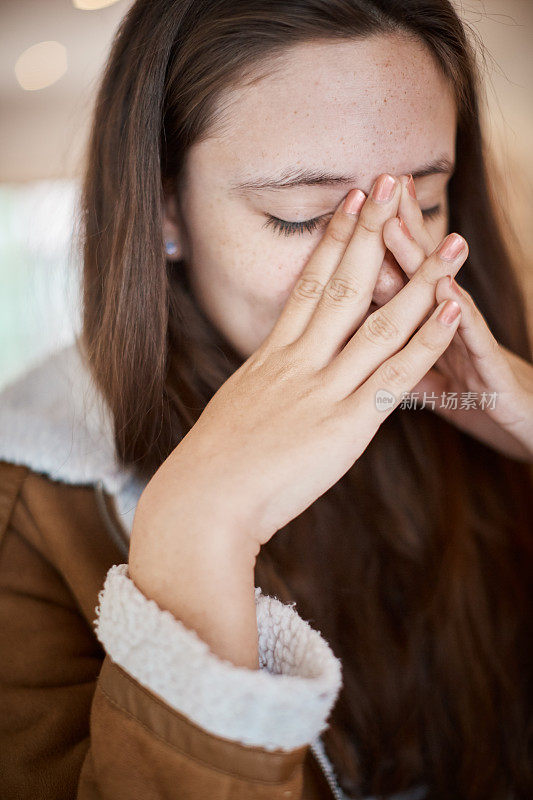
[130, 704]
[104, 694]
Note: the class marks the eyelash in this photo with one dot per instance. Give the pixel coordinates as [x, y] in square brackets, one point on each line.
[287, 228]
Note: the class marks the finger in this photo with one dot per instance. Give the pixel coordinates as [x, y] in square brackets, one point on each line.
[482, 346]
[409, 210]
[323, 261]
[522, 368]
[406, 250]
[386, 330]
[450, 363]
[433, 382]
[472, 421]
[348, 292]
[377, 397]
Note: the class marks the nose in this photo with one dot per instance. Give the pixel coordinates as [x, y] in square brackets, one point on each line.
[391, 278]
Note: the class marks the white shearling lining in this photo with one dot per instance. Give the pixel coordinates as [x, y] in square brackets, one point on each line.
[283, 705]
[54, 420]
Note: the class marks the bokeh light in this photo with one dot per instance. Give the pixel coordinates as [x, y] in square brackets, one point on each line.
[41, 65]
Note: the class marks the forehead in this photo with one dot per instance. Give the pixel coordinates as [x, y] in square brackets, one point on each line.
[378, 104]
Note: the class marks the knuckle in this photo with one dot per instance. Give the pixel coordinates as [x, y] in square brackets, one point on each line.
[307, 288]
[427, 276]
[379, 327]
[395, 372]
[337, 232]
[429, 342]
[280, 365]
[283, 371]
[339, 290]
[368, 226]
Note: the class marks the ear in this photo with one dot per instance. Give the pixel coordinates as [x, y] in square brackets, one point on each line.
[172, 227]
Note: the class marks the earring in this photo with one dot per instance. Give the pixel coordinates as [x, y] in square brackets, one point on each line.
[171, 248]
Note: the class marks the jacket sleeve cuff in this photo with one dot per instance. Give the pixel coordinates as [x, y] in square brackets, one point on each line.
[283, 705]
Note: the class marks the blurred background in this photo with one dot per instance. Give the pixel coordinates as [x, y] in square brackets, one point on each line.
[51, 56]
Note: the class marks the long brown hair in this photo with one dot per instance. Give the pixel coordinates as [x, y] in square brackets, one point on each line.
[416, 565]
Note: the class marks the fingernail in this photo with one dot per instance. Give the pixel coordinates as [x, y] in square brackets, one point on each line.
[354, 201]
[383, 189]
[449, 312]
[405, 229]
[411, 186]
[451, 247]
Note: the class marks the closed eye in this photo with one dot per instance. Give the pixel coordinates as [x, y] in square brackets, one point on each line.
[287, 228]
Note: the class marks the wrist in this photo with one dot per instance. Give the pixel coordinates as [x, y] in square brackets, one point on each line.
[180, 499]
[202, 571]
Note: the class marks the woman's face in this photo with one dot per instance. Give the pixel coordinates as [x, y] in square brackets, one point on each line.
[350, 109]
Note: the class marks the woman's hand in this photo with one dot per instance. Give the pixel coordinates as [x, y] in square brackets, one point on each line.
[287, 424]
[474, 362]
[300, 411]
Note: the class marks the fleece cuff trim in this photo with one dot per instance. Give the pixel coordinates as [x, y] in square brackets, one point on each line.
[283, 705]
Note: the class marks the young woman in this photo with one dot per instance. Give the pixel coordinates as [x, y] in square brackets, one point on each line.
[287, 548]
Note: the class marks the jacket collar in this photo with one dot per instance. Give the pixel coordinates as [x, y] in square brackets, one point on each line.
[55, 421]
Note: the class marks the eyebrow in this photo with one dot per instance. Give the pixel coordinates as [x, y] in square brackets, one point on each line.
[294, 176]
